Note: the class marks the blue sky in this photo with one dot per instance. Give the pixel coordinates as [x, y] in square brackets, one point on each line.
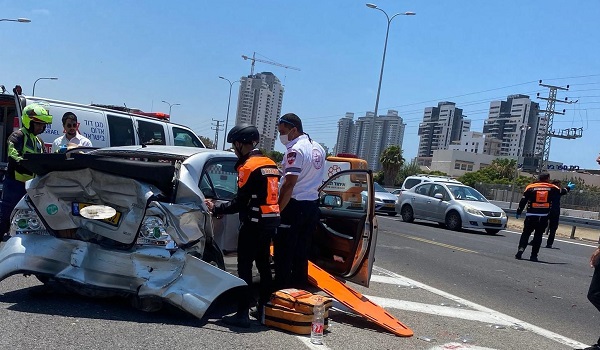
[470, 52]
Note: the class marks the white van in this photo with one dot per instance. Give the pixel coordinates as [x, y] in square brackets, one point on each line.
[103, 125]
[114, 126]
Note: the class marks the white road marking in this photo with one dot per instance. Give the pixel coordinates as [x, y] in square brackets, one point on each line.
[458, 346]
[498, 317]
[306, 341]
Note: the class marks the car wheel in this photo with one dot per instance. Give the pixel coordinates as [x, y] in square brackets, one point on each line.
[392, 214]
[492, 231]
[453, 221]
[407, 214]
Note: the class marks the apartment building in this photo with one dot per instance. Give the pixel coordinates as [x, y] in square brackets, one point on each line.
[259, 103]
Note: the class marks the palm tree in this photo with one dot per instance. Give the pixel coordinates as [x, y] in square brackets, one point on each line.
[391, 160]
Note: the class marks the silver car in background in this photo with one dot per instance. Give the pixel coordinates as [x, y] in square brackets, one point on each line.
[454, 205]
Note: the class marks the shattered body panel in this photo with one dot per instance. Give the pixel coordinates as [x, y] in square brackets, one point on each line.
[179, 279]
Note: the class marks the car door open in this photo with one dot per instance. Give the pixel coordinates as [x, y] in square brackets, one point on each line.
[345, 239]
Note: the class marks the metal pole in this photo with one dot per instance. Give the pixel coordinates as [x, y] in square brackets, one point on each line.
[35, 82]
[373, 162]
[228, 105]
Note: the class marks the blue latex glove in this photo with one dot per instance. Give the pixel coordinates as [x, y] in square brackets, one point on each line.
[517, 216]
[571, 186]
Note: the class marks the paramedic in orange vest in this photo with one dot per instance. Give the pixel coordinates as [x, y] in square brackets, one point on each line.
[256, 201]
[21, 142]
[538, 198]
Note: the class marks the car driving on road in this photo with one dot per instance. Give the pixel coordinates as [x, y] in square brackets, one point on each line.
[454, 205]
[385, 202]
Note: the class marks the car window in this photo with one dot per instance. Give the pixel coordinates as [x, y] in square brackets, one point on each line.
[121, 131]
[151, 133]
[378, 188]
[436, 188]
[466, 193]
[410, 183]
[423, 189]
[219, 179]
[183, 137]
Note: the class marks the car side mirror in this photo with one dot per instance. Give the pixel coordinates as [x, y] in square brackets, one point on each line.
[331, 200]
[439, 196]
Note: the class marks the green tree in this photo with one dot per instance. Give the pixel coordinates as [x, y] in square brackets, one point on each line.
[276, 156]
[207, 142]
[391, 160]
[407, 170]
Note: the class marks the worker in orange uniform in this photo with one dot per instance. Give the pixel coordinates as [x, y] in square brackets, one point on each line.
[256, 202]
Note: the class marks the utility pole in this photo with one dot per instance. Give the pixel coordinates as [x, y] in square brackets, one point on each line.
[549, 133]
[217, 128]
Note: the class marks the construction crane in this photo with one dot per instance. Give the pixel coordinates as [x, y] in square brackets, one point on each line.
[254, 59]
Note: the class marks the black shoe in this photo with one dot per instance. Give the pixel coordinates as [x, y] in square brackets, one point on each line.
[530, 243]
[237, 320]
[257, 312]
[593, 347]
[549, 246]
[519, 255]
[533, 258]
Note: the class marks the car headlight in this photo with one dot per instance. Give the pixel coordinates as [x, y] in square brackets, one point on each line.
[473, 211]
[26, 221]
[154, 232]
[378, 200]
[502, 214]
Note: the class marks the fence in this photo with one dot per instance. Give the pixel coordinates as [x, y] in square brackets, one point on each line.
[576, 200]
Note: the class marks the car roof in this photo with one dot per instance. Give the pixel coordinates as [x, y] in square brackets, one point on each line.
[180, 152]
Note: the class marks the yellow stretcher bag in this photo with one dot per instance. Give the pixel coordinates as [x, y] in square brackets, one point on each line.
[298, 300]
[289, 320]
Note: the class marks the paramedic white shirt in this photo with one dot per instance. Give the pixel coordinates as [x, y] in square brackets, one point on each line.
[305, 159]
[78, 139]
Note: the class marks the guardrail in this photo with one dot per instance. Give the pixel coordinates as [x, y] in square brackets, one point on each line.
[574, 222]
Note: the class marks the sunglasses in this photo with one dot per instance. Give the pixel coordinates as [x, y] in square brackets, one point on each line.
[284, 121]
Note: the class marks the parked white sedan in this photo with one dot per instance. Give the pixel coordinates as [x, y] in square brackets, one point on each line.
[454, 205]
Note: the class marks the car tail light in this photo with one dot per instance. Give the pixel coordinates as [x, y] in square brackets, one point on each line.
[154, 232]
[26, 221]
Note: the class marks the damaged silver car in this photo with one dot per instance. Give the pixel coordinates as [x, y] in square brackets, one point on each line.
[131, 221]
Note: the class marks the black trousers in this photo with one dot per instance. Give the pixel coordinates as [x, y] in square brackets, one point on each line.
[254, 244]
[552, 226]
[537, 225]
[12, 192]
[292, 243]
[594, 291]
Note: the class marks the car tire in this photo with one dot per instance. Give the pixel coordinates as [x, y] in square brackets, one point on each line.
[492, 231]
[407, 213]
[393, 214]
[453, 221]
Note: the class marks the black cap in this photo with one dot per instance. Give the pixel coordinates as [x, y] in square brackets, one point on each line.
[292, 120]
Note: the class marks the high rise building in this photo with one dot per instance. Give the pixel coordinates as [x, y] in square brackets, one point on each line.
[345, 132]
[259, 104]
[517, 124]
[389, 130]
[441, 126]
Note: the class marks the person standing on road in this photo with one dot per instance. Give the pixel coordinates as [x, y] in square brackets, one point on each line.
[72, 137]
[303, 169]
[594, 290]
[20, 143]
[256, 201]
[538, 198]
[554, 215]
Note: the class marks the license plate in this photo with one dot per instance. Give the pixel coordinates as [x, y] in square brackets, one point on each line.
[494, 221]
[76, 210]
[389, 205]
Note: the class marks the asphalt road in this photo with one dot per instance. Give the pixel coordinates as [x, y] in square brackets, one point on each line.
[455, 290]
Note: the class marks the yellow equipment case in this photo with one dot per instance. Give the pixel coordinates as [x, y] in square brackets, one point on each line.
[292, 310]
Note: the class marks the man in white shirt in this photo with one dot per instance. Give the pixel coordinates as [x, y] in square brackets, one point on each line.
[72, 137]
[303, 170]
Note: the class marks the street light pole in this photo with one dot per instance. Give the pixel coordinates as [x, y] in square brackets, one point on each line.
[228, 104]
[33, 92]
[171, 106]
[372, 129]
[22, 20]
[523, 129]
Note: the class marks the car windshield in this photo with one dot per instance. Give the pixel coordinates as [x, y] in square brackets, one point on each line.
[378, 188]
[466, 193]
